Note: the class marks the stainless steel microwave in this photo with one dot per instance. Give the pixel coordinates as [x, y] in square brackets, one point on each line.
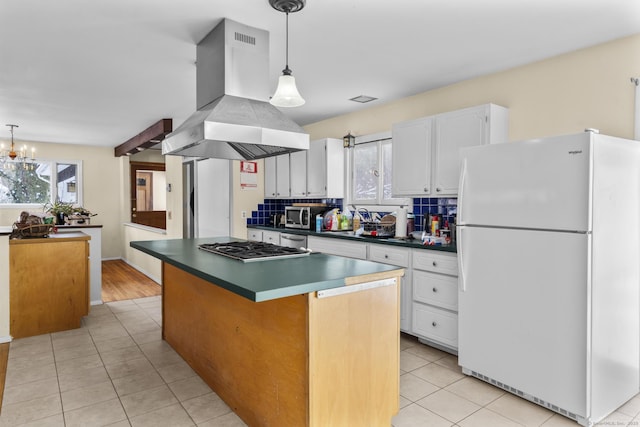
[303, 217]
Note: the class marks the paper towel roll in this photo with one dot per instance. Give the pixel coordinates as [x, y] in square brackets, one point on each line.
[401, 222]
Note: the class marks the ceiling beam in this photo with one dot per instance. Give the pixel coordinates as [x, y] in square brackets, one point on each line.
[149, 137]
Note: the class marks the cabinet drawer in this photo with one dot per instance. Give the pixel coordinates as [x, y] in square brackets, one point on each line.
[339, 247]
[435, 289]
[271, 237]
[435, 324]
[254, 235]
[389, 255]
[434, 261]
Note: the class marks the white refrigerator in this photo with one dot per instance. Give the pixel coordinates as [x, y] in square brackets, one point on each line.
[549, 255]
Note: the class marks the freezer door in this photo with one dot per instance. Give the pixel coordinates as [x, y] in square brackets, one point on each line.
[522, 311]
[541, 184]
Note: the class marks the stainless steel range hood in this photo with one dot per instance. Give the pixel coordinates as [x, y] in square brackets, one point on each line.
[234, 120]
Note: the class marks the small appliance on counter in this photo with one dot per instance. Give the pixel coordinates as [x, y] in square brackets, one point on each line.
[276, 220]
[302, 217]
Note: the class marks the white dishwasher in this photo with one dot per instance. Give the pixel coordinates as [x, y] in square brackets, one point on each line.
[293, 240]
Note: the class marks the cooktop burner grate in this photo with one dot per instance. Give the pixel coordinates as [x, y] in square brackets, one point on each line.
[252, 251]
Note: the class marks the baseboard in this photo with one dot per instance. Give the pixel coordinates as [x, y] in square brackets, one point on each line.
[97, 302]
[141, 270]
[8, 338]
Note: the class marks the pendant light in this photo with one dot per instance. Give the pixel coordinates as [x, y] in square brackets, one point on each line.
[287, 94]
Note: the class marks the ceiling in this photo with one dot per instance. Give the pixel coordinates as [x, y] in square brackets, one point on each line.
[99, 72]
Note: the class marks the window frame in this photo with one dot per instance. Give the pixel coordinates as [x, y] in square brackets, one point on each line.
[53, 196]
[379, 203]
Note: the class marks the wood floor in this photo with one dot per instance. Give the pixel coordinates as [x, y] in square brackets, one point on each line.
[120, 281]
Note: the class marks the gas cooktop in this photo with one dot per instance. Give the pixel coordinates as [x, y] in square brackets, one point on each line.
[252, 251]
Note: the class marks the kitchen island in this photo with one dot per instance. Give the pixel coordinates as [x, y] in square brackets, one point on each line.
[306, 341]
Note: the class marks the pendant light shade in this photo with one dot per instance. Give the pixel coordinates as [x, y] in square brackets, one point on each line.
[287, 94]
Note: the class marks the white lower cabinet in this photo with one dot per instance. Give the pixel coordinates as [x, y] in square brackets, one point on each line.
[337, 247]
[271, 237]
[402, 258]
[429, 288]
[254, 235]
[435, 298]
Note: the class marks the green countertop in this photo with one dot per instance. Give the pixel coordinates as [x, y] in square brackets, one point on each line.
[260, 280]
[407, 243]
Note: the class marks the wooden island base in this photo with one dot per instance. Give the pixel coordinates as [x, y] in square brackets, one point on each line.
[296, 361]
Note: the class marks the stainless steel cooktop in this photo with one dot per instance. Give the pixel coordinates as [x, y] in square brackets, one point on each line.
[252, 251]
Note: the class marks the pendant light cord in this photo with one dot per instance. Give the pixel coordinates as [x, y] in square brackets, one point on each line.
[287, 46]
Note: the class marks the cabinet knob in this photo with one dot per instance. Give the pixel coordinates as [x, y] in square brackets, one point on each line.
[435, 289]
[386, 256]
[438, 190]
[434, 324]
[434, 263]
[426, 190]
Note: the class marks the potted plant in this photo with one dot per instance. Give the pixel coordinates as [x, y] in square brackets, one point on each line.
[59, 210]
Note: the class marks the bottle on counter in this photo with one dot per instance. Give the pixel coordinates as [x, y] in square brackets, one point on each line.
[319, 221]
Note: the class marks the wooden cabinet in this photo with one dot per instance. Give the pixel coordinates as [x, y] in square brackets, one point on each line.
[276, 177]
[426, 150]
[435, 298]
[48, 284]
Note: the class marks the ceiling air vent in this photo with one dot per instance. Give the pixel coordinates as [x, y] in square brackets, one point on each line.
[363, 99]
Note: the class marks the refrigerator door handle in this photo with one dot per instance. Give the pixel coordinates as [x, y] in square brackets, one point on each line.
[462, 282]
[463, 178]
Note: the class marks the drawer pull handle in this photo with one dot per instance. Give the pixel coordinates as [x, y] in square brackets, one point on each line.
[434, 263]
[434, 324]
[435, 290]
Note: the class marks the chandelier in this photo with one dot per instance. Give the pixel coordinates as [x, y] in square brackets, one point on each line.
[11, 159]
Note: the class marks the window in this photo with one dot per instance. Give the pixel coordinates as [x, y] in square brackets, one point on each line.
[35, 184]
[371, 176]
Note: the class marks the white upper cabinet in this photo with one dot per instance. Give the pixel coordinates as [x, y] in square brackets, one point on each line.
[270, 178]
[298, 170]
[283, 184]
[411, 157]
[276, 177]
[325, 169]
[434, 143]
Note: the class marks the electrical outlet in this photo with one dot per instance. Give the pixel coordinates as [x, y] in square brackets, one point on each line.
[244, 214]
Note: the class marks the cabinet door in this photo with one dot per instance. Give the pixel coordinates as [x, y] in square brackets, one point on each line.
[270, 178]
[412, 157]
[317, 169]
[271, 237]
[298, 173]
[283, 189]
[453, 131]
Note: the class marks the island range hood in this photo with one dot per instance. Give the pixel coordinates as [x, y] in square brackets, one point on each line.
[234, 120]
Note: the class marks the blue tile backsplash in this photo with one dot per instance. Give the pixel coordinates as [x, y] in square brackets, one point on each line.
[422, 206]
[273, 206]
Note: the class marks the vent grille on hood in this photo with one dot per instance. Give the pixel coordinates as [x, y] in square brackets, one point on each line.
[234, 119]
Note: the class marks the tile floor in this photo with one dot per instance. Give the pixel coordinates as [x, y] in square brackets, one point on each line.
[117, 371]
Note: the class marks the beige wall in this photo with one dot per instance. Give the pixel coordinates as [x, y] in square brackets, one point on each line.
[101, 193]
[589, 88]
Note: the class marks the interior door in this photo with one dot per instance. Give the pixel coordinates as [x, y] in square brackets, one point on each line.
[523, 311]
[212, 198]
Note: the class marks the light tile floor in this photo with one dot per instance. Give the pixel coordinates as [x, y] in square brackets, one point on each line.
[117, 371]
